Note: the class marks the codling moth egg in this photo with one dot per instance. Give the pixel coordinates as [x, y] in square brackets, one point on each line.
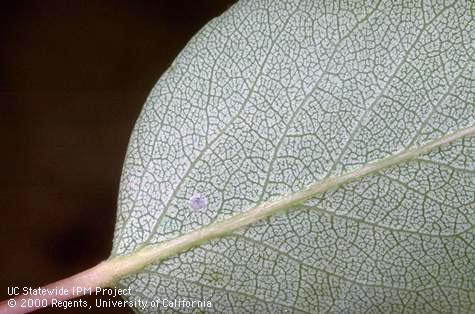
[198, 201]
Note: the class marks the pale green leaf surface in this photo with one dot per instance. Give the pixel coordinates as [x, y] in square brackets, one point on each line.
[275, 95]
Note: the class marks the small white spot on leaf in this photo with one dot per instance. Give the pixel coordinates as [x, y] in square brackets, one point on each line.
[198, 201]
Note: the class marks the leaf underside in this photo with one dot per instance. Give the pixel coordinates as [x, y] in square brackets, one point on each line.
[275, 95]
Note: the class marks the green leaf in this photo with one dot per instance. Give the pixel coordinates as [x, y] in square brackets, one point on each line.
[325, 154]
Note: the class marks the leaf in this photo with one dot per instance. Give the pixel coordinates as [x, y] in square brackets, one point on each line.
[365, 112]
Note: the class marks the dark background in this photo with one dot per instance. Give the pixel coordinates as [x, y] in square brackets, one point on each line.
[73, 78]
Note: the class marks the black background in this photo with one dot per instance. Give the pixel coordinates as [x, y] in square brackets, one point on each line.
[73, 78]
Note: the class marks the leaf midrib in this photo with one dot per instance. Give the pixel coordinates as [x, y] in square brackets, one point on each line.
[137, 260]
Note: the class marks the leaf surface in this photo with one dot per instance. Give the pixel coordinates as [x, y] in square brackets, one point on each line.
[274, 96]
